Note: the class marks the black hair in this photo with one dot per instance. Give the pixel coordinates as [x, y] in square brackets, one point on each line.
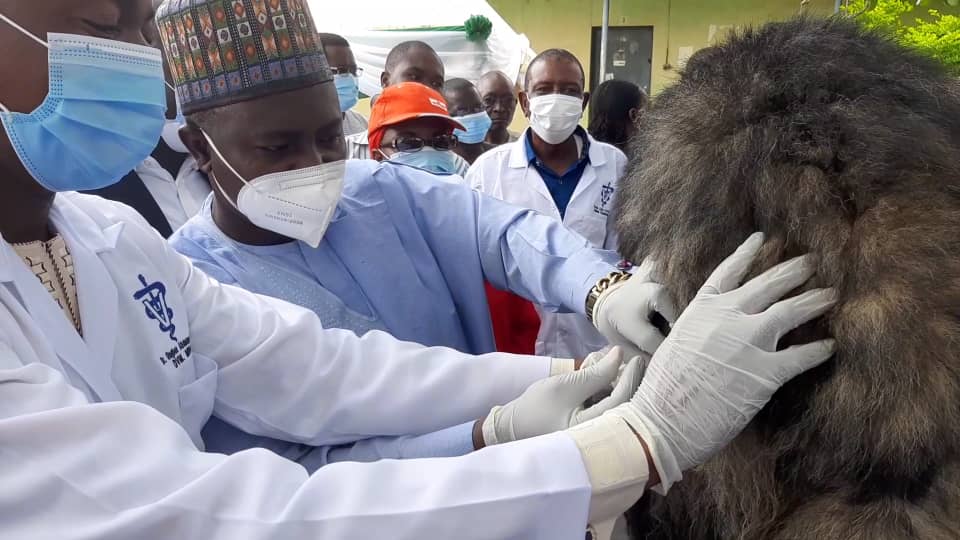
[457, 84]
[397, 53]
[610, 110]
[554, 54]
[332, 40]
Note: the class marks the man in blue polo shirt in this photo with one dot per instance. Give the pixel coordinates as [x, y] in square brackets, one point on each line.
[557, 169]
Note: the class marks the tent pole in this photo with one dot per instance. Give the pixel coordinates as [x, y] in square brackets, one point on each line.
[604, 35]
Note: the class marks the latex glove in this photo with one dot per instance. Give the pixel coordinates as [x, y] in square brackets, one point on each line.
[622, 313]
[557, 403]
[641, 357]
[711, 376]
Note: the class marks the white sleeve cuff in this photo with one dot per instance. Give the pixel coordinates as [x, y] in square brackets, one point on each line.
[616, 464]
[559, 366]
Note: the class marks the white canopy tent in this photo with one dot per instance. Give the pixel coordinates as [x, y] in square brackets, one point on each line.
[373, 27]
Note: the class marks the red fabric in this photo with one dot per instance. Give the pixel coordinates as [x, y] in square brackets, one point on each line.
[515, 322]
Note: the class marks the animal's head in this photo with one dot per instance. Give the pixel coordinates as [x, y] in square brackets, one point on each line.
[805, 130]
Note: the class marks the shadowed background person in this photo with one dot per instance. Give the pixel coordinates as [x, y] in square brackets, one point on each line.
[346, 75]
[465, 105]
[615, 108]
[499, 95]
[410, 61]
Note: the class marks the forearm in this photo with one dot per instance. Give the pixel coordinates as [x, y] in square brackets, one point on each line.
[450, 442]
[538, 258]
[499, 493]
[396, 384]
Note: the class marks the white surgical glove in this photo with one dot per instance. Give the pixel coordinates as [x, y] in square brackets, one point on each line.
[622, 312]
[557, 403]
[707, 381]
[642, 358]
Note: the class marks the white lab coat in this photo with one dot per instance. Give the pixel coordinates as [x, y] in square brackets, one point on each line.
[505, 173]
[99, 435]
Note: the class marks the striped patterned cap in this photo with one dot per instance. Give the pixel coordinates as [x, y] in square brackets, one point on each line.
[226, 51]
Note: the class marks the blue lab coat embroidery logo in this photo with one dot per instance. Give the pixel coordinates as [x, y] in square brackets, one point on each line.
[606, 195]
[154, 299]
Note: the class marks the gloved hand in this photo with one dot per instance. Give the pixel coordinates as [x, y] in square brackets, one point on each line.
[642, 357]
[622, 313]
[557, 403]
[707, 381]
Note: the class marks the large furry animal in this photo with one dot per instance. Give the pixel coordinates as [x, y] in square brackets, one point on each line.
[838, 142]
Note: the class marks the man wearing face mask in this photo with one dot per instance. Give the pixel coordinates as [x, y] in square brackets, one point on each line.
[166, 188]
[346, 76]
[559, 170]
[466, 107]
[411, 125]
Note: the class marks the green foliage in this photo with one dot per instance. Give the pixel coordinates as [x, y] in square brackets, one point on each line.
[478, 28]
[937, 35]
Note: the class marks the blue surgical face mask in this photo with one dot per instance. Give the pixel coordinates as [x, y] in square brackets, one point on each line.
[429, 159]
[477, 127]
[348, 90]
[102, 116]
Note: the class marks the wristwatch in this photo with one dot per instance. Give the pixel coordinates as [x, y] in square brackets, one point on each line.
[601, 287]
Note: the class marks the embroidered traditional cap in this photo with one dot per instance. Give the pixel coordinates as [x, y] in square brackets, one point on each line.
[225, 51]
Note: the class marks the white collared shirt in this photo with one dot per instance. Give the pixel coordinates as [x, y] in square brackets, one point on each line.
[358, 146]
[179, 198]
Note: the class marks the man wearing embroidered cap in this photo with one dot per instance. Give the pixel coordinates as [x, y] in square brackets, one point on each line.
[410, 124]
[105, 386]
[365, 246]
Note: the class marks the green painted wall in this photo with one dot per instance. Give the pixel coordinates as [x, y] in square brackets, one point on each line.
[676, 23]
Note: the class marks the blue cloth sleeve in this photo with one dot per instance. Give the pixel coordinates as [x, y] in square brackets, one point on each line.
[521, 251]
[451, 442]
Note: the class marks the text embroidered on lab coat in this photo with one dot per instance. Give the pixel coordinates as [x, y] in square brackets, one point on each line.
[606, 195]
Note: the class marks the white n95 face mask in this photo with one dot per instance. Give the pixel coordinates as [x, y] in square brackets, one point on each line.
[297, 204]
[554, 117]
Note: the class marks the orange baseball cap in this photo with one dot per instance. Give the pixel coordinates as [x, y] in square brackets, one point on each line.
[406, 101]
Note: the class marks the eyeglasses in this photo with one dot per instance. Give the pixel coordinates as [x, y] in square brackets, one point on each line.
[416, 144]
[352, 70]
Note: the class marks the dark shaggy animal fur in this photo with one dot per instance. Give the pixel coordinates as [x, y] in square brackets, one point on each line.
[838, 142]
